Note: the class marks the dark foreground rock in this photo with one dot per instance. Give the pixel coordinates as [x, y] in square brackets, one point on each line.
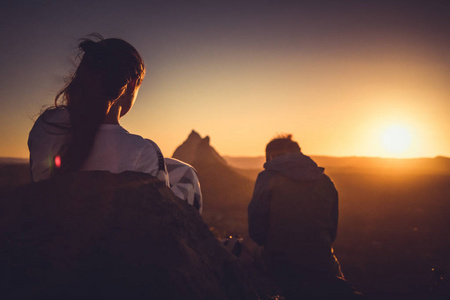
[106, 235]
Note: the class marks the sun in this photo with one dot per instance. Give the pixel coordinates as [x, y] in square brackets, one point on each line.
[396, 139]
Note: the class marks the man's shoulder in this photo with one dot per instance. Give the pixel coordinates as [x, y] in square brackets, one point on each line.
[325, 184]
[264, 174]
[326, 179]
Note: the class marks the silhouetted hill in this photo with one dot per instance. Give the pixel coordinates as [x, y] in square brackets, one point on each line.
[226, 192]
[13, 160]
[99, 235]
[435, 165]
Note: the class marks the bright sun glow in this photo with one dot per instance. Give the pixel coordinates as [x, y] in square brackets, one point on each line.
[396, 140]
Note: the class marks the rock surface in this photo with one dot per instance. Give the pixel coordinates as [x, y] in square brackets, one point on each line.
[103, 235]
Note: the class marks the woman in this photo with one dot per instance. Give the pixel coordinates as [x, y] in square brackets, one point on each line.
[82, 130]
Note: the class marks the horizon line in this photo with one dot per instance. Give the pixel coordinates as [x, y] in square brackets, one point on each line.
[26, 159]
[349, 156]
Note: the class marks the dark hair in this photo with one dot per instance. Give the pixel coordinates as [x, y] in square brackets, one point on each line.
[105, 69]
[280, 145]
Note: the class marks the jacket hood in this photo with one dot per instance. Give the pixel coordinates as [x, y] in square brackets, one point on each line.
[296, 166]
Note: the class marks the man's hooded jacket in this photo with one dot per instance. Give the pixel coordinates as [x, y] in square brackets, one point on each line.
[294, 212]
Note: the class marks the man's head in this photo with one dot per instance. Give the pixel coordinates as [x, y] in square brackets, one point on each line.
[280, 145]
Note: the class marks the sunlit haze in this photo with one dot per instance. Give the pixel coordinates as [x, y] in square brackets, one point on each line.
[396, 140]
[348, 79]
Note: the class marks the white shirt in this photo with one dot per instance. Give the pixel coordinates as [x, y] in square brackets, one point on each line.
[114, 148]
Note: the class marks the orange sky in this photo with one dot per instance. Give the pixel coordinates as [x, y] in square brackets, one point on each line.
[339, 78]
[333, 104]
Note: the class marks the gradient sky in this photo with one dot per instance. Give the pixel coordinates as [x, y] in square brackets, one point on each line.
[336, 74]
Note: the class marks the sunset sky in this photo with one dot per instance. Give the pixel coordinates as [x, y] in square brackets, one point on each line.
[346, 78]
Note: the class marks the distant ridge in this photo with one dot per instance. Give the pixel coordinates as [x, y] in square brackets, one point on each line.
[439, 164]
[13, 160]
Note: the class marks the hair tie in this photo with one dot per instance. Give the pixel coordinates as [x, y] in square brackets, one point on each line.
[88, 46]
[94, 50]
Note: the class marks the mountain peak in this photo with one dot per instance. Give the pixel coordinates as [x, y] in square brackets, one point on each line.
[194, 136]
[196, 148]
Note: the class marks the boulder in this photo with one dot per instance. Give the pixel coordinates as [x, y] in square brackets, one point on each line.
[103, 235]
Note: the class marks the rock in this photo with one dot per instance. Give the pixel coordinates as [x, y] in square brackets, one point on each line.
[226, 193]
[195, 149]
[103, 235]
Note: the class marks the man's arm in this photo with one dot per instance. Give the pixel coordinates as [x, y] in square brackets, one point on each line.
[258, 209]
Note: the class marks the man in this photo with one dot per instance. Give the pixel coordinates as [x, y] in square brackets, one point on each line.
[294, 215]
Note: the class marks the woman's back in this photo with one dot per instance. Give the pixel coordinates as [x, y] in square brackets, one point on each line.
[114, 149]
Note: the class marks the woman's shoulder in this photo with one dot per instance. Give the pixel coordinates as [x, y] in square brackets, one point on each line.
[152, 149]
[53, 120]
[126, 141]
[58, 116]
[127, 138]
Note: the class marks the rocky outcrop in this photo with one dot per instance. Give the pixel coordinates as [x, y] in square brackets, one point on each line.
[226, 193]
[196, 149]
[103, 235]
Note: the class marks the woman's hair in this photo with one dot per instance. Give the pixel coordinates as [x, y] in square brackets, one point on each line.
[105, 69]
[280, 145]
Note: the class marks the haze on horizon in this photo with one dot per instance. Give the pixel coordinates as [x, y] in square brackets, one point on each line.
[352, 78]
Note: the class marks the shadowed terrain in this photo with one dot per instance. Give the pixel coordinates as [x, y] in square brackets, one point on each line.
[110, 236]
[393, 227]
